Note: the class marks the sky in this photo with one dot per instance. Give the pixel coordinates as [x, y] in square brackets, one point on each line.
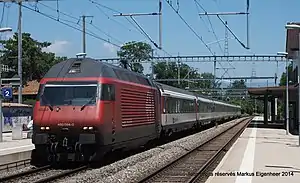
[266, 29]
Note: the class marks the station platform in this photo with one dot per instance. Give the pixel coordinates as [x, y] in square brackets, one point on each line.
[258, 121]
[260, 155]
[260, 118]
[15, 150]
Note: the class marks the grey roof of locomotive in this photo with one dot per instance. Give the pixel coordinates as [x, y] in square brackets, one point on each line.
[93, 68]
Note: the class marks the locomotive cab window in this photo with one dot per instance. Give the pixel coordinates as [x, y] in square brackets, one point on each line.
[69, 93]
[108, 92]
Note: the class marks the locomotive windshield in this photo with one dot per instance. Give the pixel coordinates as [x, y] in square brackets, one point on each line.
[69, 94]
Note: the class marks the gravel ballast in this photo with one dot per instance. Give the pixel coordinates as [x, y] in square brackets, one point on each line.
[5, 173]
[36, 176]
[140, 165]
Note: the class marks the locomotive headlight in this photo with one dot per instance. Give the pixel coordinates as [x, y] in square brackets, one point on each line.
[45, 128]
[88, 128]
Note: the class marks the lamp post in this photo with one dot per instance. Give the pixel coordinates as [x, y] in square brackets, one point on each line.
[297, 27]
[287, 92]
[5, 29]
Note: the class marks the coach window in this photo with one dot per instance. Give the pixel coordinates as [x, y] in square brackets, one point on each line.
[217, 108]
[202, 107]
[177, 105]
[208, 108]
[108, 92]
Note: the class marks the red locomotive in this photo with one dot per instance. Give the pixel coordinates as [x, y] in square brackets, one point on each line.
[87, 108]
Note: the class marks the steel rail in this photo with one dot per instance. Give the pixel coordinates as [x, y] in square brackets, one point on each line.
[196, 177]
[25, 173]
[208, 162]
[61, 175]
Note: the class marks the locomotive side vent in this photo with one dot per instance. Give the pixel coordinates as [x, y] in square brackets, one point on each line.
[75, 68]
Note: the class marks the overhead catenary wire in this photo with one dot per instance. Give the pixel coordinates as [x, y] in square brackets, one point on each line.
[62, 19]
[59, 12]
[7, 15]
[68, 25]
[134, 23]
[211, 26]
[2, 18]
[197, 35]
[198, 9]
[150, 39]
[2, 15]
[219, 9]
[115, 11]
[78, 20]
[100, 30]
[147, 36]
[216, 37]
[117, 22]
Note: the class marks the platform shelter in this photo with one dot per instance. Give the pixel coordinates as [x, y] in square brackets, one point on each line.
[269, 94]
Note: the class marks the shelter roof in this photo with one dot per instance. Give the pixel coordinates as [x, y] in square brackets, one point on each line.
[276, 91]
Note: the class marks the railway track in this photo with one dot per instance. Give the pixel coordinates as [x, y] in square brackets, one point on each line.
[20, 175]
[193, 166]
[40, 175]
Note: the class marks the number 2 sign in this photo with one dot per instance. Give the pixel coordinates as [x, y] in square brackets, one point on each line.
[7, 93]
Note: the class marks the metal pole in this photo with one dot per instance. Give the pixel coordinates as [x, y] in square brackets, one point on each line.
[83, 31]
[1, 123]
[20, 53]
[215, 72]
[189, 78]
[152, 65]
[178, 73]
[248, 3]
[299, 89]
[160, 23]
[287, 98]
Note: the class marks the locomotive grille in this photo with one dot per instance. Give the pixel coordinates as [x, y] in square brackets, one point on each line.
[137, 107]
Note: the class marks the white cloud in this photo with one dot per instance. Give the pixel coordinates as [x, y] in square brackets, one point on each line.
[111, 48]
[58, 47]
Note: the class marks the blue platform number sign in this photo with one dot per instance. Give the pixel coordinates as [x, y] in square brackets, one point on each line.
[7, 93]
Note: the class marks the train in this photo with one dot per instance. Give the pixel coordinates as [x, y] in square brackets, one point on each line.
[86, 109]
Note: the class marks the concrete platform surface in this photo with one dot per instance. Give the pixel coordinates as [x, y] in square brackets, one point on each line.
[260, 118]
[260, 156]
[15, 150]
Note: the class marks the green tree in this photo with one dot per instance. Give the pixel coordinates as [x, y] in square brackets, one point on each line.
[35, 62]
[238, 84]
[170, 71]
[247, 104]
[283, 76]
[283, 83]
[210, 83]
[132, 53]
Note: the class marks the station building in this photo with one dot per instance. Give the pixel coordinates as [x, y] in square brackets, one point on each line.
[271, 94]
